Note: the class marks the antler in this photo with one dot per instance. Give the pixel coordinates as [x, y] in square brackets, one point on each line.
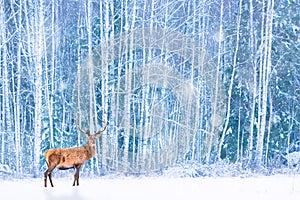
[100, 131]
[79, 129]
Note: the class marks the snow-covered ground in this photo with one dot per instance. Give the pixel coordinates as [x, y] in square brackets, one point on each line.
[272, 187]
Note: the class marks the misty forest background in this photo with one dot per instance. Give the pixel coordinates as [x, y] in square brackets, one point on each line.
[181, 82]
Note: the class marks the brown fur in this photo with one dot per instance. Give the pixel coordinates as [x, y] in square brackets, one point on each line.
[67, 158]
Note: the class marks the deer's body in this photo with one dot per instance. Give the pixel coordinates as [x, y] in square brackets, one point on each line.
[70, 157]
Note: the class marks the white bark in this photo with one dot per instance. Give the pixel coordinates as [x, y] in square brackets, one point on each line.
[254, 87]
[17, 95]
[79, 81]
[49, 95]
[231, 79]
[91, 82]
[215, 100]
[38, 48]
[266, 69]
[128, 88]
[108, 26]
[6, 111]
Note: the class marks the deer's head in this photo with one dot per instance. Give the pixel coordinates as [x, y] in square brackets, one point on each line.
[92, 137]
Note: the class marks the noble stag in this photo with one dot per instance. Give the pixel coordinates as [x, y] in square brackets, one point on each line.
[71, 157]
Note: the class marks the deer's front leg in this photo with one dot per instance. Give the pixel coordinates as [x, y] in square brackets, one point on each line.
[48, 173]
[76, 175]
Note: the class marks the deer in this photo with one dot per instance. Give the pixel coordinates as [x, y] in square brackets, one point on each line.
[68, 158]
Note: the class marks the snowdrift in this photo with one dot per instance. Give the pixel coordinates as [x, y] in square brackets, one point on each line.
[272, 187]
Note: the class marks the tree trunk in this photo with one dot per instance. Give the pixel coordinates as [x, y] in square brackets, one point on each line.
[215, 100]
[266, 69]
[39, 23]
[254, 86]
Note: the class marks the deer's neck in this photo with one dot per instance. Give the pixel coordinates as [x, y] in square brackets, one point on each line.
[90, 150]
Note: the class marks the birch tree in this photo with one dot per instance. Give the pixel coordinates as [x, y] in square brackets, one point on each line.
[49, 90]
[16, 89]
[266, 65]
[5, 107]
[39, 51]
[225, 129]
[255, 74]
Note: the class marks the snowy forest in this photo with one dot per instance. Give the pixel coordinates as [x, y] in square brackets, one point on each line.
[180, 82]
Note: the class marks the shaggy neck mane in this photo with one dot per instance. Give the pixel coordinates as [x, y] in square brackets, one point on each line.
[90, 149]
